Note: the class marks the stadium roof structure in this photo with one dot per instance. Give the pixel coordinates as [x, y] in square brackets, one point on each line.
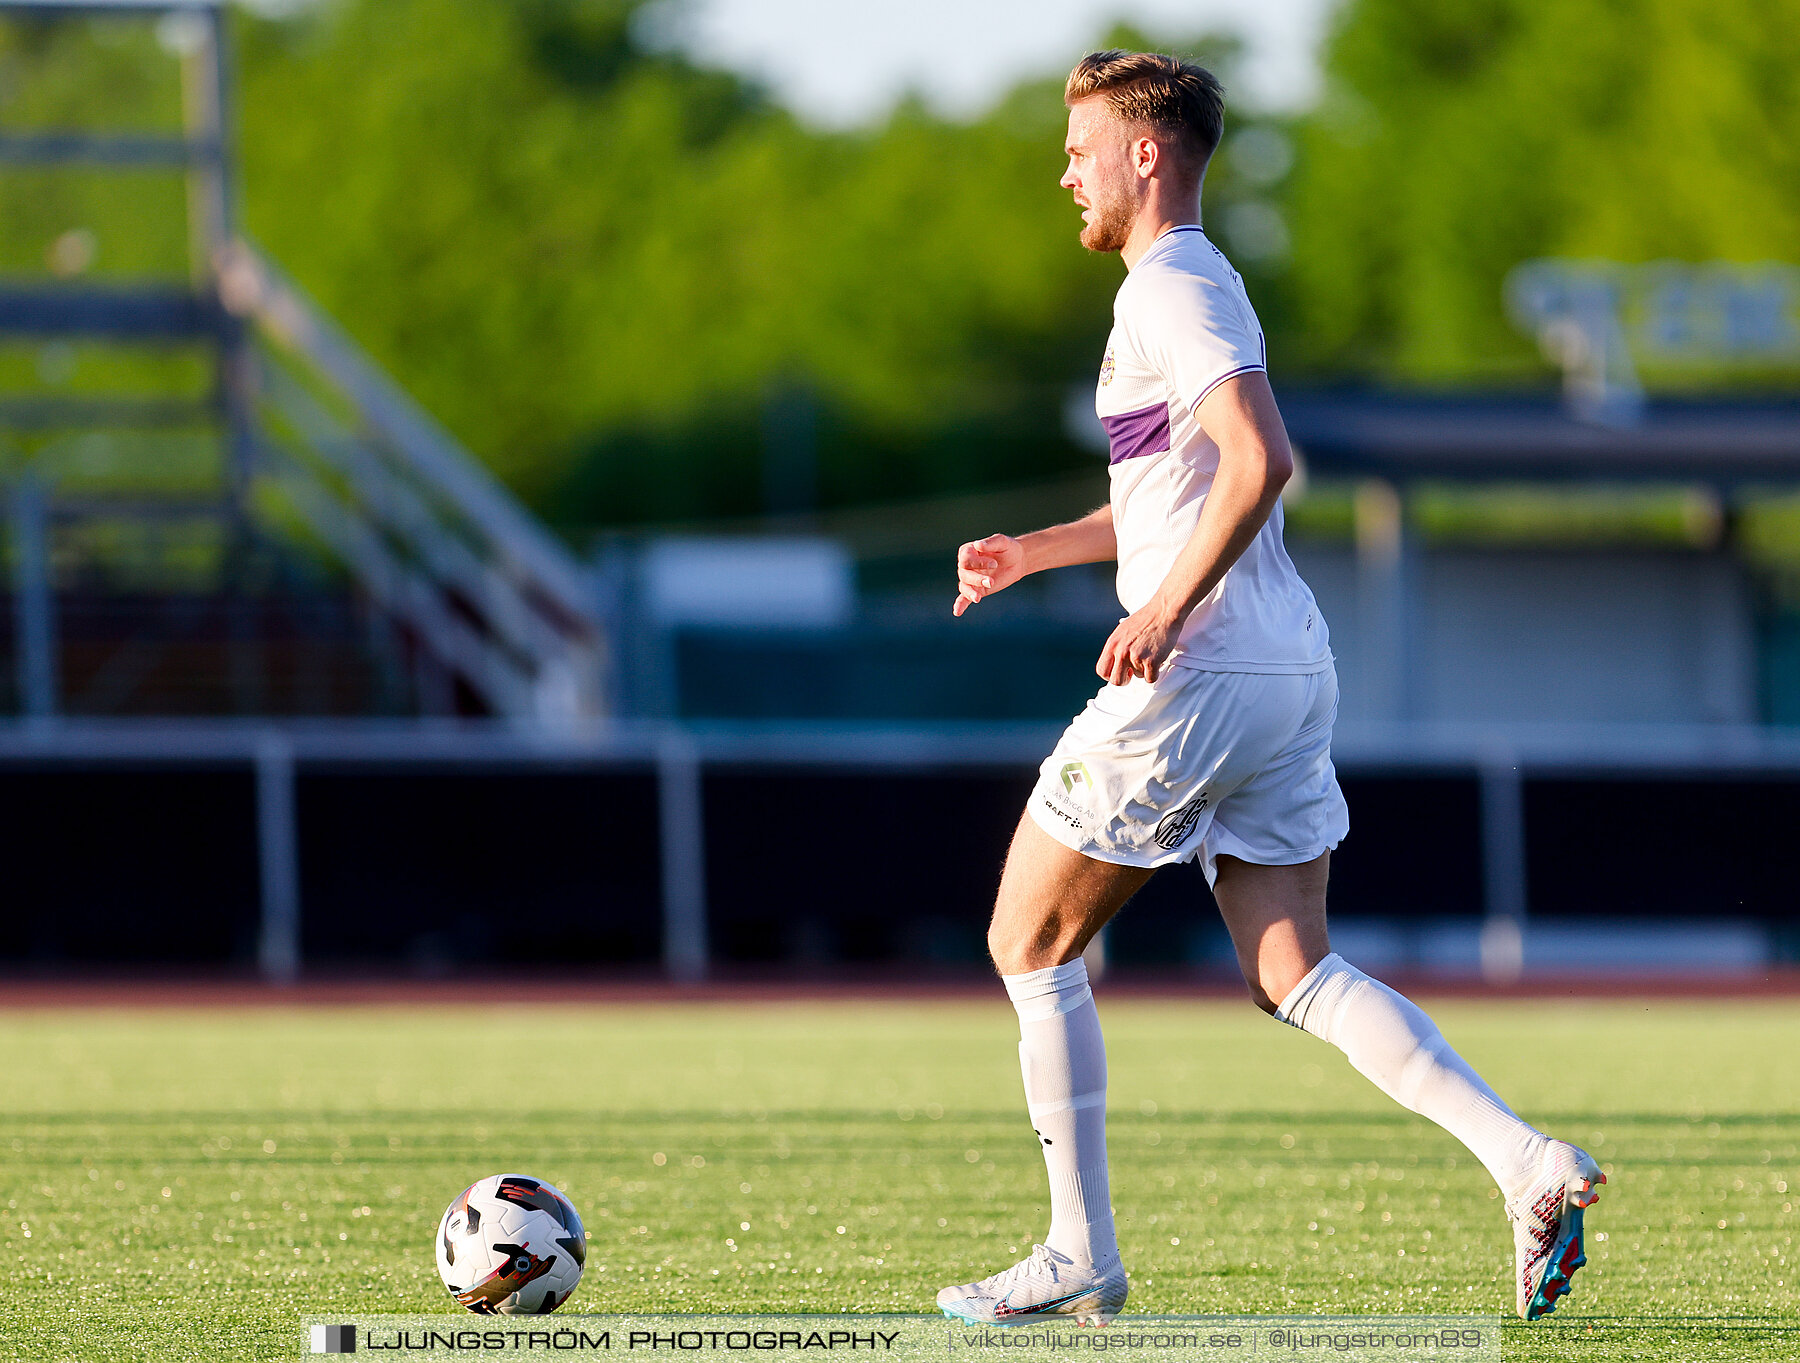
[1405, 436]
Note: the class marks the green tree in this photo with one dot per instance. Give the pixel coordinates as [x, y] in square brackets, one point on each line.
[598, 264]
[631, 285]
[1456, 140]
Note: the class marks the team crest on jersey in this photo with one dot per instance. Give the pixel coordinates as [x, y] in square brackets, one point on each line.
[1106, 368]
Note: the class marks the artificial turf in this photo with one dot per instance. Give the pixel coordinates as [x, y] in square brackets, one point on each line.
[191, 1183]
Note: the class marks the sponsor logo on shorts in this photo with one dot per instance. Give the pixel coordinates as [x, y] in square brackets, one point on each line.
[1075, 774]
[1178, 824]
[1074, 821]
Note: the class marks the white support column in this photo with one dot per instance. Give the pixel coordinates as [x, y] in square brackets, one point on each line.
[278, 858]
[1503, 869]
[1383, 602]
[681, 817]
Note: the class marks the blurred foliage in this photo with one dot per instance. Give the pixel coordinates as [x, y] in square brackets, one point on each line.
[603, 267]
[1528, 516]
[1457, 140]
[94, 75]
[1767, 534]
[1593, 514]
[618, 276]
[1325, 511]
[609, 271]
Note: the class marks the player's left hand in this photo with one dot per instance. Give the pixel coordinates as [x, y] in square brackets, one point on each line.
[1139, 646]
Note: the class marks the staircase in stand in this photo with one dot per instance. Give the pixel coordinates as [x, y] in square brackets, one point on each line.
[300, 537]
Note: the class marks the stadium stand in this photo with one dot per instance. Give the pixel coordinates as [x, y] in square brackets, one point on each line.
[389, 717]
[313, 448]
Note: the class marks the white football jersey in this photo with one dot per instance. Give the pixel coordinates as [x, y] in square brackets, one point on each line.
[1182, 325]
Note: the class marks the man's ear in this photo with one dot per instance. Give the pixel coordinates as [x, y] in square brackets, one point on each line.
[1145, 156]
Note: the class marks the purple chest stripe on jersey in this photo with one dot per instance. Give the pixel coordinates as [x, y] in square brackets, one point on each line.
[1145, 431]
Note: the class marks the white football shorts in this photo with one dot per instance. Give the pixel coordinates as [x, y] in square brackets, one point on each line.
[1200, 764]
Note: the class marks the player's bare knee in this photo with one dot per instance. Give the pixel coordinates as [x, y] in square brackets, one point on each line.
[1000, 948]
[1278, 980]
[1261, 984]
[1017, 944]
[1269, 987]
[1010, 944]
[1015, 958]
[1260, 996]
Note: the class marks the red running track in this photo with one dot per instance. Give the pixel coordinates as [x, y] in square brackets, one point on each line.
[145, 990]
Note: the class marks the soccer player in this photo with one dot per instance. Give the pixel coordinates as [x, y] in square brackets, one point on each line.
[1211, 737]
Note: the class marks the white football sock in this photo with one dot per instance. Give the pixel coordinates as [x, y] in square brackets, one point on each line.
[1392, 1042]
[1064, 1061]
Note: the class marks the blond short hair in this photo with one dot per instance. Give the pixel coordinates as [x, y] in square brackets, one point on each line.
[1177, 100]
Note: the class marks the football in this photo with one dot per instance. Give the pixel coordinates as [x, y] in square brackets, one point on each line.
[511, 1246]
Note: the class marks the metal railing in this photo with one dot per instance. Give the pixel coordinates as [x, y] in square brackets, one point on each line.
[1500, 757]
[433, 538]
[485, 594]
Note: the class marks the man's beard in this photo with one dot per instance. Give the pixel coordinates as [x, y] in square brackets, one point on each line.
[1110, 227]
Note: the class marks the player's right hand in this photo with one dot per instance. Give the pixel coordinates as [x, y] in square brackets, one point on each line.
[986, 566]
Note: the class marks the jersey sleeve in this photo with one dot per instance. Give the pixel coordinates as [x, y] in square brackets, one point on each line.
[1196, 332]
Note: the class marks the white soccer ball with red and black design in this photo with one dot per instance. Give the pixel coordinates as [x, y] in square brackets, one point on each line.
[511, 1246]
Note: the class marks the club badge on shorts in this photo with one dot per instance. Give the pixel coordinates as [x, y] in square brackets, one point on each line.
[1176, 825]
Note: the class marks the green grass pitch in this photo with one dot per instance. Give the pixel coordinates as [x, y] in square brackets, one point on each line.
[189, 1184]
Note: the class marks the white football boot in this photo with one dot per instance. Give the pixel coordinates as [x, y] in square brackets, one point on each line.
[1547, 1233]
[1045, 1286]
